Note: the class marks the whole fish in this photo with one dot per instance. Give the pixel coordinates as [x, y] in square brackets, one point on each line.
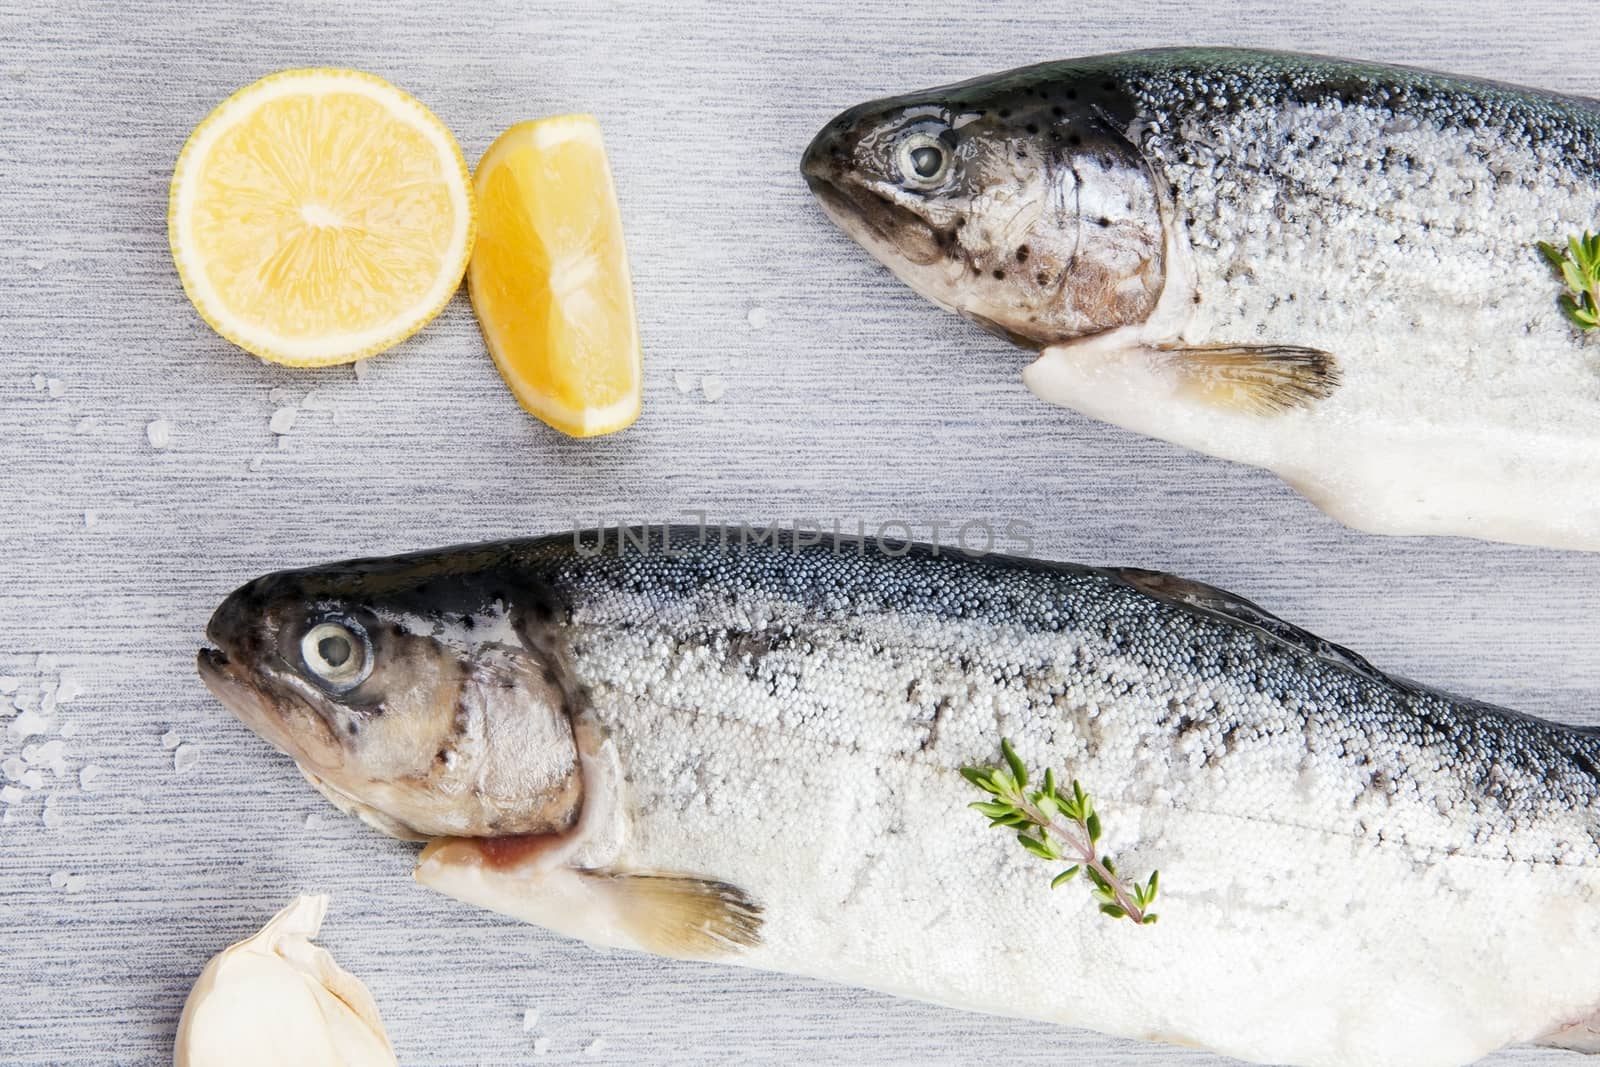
[1328, 269]
[702, 744]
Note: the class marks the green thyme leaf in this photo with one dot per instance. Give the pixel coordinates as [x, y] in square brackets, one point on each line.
[978, 777]
[1018, 771]
[1064, 877]
[1053, 827]
[1035, 846]
[1571, 274]
[1579, 268]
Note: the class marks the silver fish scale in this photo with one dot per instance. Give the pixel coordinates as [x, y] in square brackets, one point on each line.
[816, 628]
[1340, 206]
[1173, 84]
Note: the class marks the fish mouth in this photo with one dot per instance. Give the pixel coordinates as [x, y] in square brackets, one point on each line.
[245, 699]
[233, 687]
[873, 220]
[216, 672]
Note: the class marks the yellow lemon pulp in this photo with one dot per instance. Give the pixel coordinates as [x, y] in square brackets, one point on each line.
[549, 277]
[320, 216]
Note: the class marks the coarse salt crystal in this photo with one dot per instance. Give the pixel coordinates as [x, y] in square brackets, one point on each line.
[85, 424]
[283, 420]
[51, 815]
[38, 382]
[56, 388]
[74, 882]
[49, 754]
[68, 689]
[11, 795]
[32, 779]
[530, 1020]
[757, 318]
[360, 369]
[8, 684]
[58, 879]
[684, 381]
[185, 757]
[159, 433]
[313, 821]
[255, 463]
[87, 777]
[13, 768]
[68, 730]
[595, 1047]
[713, 387]
[541, 1046]
[280, 395]
[170, 739]
[26, 725]
[89, 519]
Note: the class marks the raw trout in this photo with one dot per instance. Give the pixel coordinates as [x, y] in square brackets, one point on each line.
[719, 749]
[1327, 269]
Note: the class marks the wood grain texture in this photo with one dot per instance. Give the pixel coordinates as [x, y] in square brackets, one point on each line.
[855, 400]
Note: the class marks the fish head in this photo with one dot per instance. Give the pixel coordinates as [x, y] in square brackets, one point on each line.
[423, 695]
[1018, 202]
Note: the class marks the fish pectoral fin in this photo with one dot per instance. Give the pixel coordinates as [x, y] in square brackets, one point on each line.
[675, 915]
[1261, 379]
[667, 914]
[1184, 393]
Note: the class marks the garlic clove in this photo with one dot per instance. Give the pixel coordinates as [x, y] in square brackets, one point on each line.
[277, 1000]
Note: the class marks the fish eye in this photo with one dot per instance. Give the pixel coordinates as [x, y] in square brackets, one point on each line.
[337, 653]
[924, 160]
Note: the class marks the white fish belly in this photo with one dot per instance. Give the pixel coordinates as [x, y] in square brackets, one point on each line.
[1311, 912]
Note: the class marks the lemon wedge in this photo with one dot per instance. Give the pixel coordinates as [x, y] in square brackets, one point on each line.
[549, 277]
[320, 216]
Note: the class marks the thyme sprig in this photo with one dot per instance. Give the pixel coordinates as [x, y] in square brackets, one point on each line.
[1579, 266]
[1056, 827]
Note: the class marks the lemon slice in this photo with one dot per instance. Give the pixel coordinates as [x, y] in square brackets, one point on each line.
[320, 216]
[549, 277]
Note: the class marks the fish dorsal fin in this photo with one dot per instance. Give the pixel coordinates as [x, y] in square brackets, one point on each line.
[1210, 600]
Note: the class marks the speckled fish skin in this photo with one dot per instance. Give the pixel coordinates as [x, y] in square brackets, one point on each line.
[1117, 211]
[1355, 870]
